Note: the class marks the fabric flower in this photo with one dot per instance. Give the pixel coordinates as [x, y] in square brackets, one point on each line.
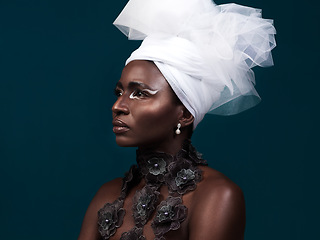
[165, 212]
[144, 204]
[110, 217]
[134, 234]
[179, 173]
[156, 166]
[131, 178]
[170, 213]
[153, 166]
[182, 176]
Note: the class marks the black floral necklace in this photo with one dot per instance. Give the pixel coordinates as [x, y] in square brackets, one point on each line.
[180, 173]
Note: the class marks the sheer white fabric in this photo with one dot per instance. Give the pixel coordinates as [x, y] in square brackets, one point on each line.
[205, 51]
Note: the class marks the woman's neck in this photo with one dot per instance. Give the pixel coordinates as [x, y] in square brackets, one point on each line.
[170, 147]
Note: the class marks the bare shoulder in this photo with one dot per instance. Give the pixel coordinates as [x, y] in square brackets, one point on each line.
[216, 184]
[217, 190]
[218, 208]
[108, 192]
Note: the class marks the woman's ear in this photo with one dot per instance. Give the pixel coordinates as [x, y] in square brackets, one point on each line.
[186, 118]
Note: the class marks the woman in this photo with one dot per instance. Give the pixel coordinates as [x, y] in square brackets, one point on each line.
[181, 71]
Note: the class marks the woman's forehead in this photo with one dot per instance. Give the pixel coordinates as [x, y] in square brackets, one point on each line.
[143, 72]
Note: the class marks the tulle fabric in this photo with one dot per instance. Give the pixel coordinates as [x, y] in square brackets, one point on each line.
[205, 51]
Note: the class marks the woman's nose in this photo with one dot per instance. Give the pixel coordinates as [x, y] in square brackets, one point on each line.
[121, 106]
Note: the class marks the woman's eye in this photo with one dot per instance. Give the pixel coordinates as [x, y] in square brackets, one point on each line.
[118, 92]
[137, 94]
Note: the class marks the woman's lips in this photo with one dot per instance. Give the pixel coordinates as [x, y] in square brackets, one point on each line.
[119, 126]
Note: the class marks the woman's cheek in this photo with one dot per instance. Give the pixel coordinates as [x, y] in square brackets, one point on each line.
[155, 113]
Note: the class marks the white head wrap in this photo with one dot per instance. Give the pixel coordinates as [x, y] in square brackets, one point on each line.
[205, 51]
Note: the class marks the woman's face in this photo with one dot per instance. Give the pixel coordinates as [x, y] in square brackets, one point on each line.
[146, 111]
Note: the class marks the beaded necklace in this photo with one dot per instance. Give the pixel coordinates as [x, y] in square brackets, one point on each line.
[179, 173]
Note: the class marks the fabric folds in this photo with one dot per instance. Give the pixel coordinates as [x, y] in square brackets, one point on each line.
[205, 51]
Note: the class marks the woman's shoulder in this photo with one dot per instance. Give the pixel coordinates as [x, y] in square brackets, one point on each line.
[217, 206]
[216, 185]
[109, 191]
[217, 180]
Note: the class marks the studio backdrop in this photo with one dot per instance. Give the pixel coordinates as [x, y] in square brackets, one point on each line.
[59, 63]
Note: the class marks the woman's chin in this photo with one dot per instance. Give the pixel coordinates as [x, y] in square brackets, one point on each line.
[122, 142]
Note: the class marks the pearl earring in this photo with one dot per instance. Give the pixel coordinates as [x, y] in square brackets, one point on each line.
[178, 129]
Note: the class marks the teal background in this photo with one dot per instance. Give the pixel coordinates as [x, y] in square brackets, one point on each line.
[59, 62]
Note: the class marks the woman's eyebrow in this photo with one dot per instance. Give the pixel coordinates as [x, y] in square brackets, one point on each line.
[139, 84]
[119, 85]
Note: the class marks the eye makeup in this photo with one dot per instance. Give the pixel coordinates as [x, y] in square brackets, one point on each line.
[137, 94]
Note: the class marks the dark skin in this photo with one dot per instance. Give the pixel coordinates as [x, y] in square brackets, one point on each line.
[145, 115]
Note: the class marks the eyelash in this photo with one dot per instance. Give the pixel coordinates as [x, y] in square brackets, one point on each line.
[118, 92]
[135, 94]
